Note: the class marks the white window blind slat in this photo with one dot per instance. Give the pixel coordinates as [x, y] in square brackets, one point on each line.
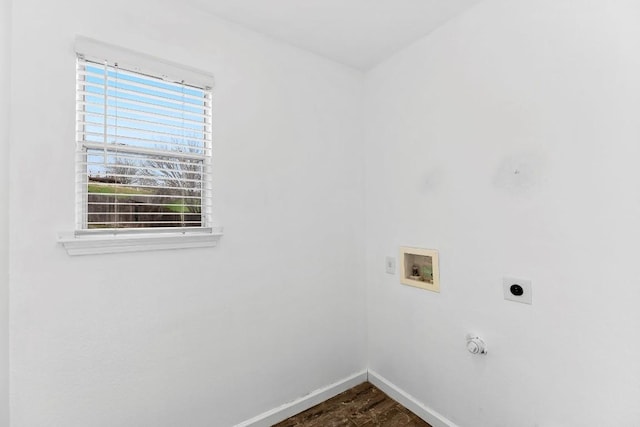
[112, 149]
[151, 196]
[160, 146]
[117, 131]
[137, 170]
[186, 188]
[124, 111]
[108, 224]
[141, 122]
[96, 87]
[141, 106]
[163, 92]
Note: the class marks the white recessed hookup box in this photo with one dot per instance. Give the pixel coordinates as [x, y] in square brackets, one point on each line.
[419, 267]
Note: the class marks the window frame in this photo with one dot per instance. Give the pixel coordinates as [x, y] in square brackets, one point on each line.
[91, 241]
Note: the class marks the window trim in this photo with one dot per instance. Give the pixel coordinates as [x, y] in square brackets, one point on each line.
[77, 243]
[85, 242]
[94, 50]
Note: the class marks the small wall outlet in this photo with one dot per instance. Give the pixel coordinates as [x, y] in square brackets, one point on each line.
[518, 290]
[390, 265]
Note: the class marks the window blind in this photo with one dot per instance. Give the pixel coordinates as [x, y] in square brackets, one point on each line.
[143, 150]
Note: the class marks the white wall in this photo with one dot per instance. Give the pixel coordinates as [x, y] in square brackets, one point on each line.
[5, 88]
[550, 89]
[193, 337]
[213, 337]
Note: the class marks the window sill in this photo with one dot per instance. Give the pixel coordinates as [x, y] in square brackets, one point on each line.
[110, 243]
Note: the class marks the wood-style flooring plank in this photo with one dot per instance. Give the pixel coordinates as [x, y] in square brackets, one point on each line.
[362, 406]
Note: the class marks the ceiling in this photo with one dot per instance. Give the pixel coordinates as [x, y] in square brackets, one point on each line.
[358, 33]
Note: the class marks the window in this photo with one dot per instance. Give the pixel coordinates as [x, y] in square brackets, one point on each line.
[143, 145]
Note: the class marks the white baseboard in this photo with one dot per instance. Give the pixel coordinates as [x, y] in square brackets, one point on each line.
[269, 418]
[409, 402]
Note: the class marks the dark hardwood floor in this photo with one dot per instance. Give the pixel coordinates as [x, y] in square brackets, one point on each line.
[362, 406]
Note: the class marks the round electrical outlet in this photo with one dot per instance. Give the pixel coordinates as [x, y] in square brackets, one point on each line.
[516, 290]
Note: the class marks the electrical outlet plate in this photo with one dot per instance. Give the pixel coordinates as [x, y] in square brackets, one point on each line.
[390, 265]
[525, 298]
